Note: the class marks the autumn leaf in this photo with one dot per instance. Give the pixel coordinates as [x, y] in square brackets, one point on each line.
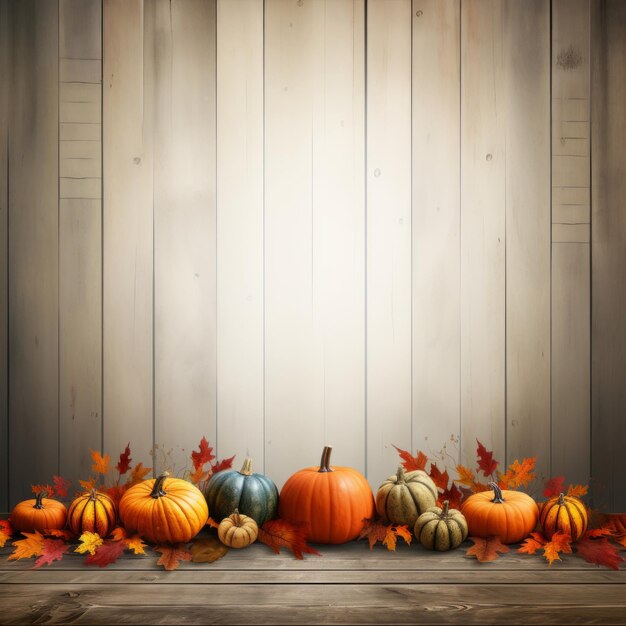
[518, 474]
[66, 535]
[171, 556]
[604, 531]
[139, 473]
[115, 492]
[61, 486]
[29, 547]
[135, 544]
[621, 540]
[454, 496]
[560, 543]
[204, 456]
[280, 533]
[6, 531]
[615, 521]
[554, 486]
[106, 553]
[376, 530]
[100, 463]
[123, 465]
[207, 550]
[599, 551]
[198, 475]
[440, 478]
[222, 465]
[412, 463]
[577, 491]
[88, 485]
[37, 489]
[118, 534]
[466, 476]
[486, 463]
[393, 532]
[89, 542]
[211, 523]
[53, 550]
[486, 549]
[532, 544]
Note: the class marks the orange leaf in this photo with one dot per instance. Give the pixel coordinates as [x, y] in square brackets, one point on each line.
[106, 554]
[531, 544]
[486, 463]
[116, 492]
[376, 530]
[37, 489]
[412, 463]
[123, 465]
[553, 487]
[518, 474]
[138, 474]
[29, 547]
[204, 456]
[61, 534]
[466, 476]
[615, 521]
[198, 475]
[88, 485]
[577, 491]
[100, 463]
[6, 531]
[118, 534]
[621, 539]
[559, 543]
[604, 531]
[171, 556]
[440, 478]
[211, 523]
[599, 551]
[486, 549]
[135, 544]
[281, 533]
[53, 550]
[403, 531]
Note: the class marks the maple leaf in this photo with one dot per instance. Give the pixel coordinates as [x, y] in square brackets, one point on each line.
[466, 476]
[106, 553]
[454, 496]
[604, 531]
[139, 473]
[115, 492]
[135, 544]
[37, 489]
[88, 485]
[211, 523]
[89, 542]
[393, 532]
[61, 486]
[615, 521]
[29, 547]
[486, 549]
[198, 475]
[531, 544]
[171, 556]
[486, 463]
[281, 533]
[60, 533]
[518, 474]
[440, 478]
[118, 534]
[100, 463]
[207, 550]
[376, 530]
[554, 486]
[577, 491]
[222, 465]
[559, 543]
[123, 465]
[53, 550]
[598, 551]
[204, 456]
[6, 530]
[412, 463]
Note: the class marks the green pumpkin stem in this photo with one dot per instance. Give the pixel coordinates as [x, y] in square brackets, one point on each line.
[561, 500]
[400, 474]
[497, 493]
[246, 468]
[325, 462]
[157, 489]
[445, 508]
[39, 499]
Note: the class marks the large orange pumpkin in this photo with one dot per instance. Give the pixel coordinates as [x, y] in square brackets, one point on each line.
[332, 501]
[92, 512]
[510, 515]
[566, 514]
[39, 513]
[164, 510]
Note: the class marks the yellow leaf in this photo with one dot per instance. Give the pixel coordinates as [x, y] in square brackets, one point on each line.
[100, 463]
[404, 532]
[88, 485]
[89, 542]
[139, 472]
[29, 547]
[135, 544]
[466, 476]
[390, 539]
[560, 543]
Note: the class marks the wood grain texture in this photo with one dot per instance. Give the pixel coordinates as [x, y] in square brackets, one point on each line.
[183, 100]
[608, 263]
[526, 42]
[80, 253]
[240, 280]
[436, 218]
[388, 235]
[33, 248]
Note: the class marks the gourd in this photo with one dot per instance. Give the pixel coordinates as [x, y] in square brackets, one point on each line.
[237, 530]
[93, 512]
[40, 513]
[164, 510]
[510, 515]
[441, 529]
[566, 514]
[402, 498]
[332, 502]
[252, 494]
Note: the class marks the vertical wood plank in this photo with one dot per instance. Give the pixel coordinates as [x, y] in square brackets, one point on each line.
[240, 341]
[184, 226]
[313, 242]
[127, 232]
[483, 239]
[33, 241]
[526, 42]
[388, 234]
[80, 252]
[608, 264]
[571, 289]
[436, 225]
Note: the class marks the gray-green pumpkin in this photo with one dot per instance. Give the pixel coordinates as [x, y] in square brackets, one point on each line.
[254, 495]
[402, 498]
[441, 529]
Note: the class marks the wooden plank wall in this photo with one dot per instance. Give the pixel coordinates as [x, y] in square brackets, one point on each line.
[286, 223]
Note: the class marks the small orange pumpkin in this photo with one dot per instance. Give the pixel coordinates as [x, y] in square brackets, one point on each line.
[332, 501]
[40, 513]
[508, 514]
[164, 510]
[92, 512]
[566, 514]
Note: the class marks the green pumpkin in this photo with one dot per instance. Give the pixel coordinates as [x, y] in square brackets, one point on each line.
[254, 495]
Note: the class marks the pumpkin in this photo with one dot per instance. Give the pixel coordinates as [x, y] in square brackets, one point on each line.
[441, 528]
[402, 498]
[94, 512]
[331, 501]
[39, 513]
[566, 514]
[252, 494]
[237, 530]
[510, 515]
[164, 510]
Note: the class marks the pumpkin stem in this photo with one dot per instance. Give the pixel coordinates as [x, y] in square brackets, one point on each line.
[236, 517]
[497, 493]
[400, 474]
[325, 462]
[246, 468]
[93, 495]
[157, 489]
[561, 501]
[445, 508]
[39, 497]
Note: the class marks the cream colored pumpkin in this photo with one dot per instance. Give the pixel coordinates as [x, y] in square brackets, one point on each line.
[237, 530]
[441, 529]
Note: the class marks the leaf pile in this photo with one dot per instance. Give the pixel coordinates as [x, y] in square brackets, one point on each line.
[376, 530]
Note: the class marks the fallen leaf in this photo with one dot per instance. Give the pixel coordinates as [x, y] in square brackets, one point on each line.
[66, 535]
[560, 543]
[532, 544]
[100, 463]
[621, 539]
[615, 521]
[578, 491]
[222, 465]
[118, 534]
[486, 549]
[106, 553]
[123, 465]
[412, 463]
[139, 473]
[280, 533]
[89, 542]
[29, 547]
[440, 478]
[518, 474]
[554, 486]
[486, 463]
[394, 531]
[207, 550]
[599, 551]
[204, 455]
[376, 530]
[211, 523]
[61, 486]
[171, 556]
[135, 544]
[6, 531]
[53, 550]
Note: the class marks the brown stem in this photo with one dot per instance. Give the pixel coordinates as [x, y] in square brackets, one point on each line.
[325, 462]
[38, 499]
[497, 493]
[236, 517]
[400, 474]
[157, 489]
[93, 495]
[445, 509]
[561, 501]
[246, 468]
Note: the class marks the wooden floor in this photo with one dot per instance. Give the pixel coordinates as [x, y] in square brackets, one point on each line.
[346, 585]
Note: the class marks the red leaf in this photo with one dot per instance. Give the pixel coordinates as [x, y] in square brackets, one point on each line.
[599, 532]
[123, 465]
[107, 553]
[281, 533]
[171, 556]
[599, 551]
[412, 463]
[554, 486]
[531, 544]
[222, 465]
[37, 489]
[116, 492]
[53, 550]
[486, 464]
[205, 455]
[440, 478]
[454, 496]
[61, 486]
[486, 549]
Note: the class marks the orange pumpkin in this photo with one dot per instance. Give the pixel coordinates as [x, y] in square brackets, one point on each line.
[39, 513]
[92, 512]
[332, 501]
[510, 515]
[566, 514]
[164, 510]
